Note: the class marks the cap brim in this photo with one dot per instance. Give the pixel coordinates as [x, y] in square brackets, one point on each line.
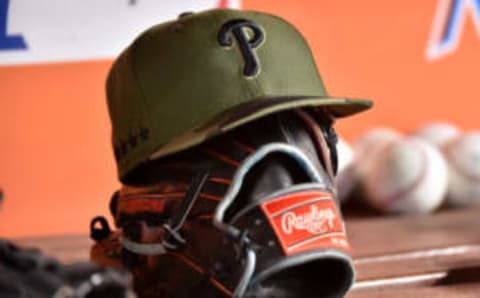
[251, 111]
[338, 107]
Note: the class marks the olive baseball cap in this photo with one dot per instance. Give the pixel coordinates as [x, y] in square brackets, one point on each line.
[182, 82]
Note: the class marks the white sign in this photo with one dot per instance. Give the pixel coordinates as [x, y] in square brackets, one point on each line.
[33, 31]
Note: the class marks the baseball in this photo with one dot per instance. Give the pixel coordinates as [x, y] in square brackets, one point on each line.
[463, 157]
[367, 147]
[350, 177]
[438, 133]
[409, 176]
[345, 154]
[343, 181]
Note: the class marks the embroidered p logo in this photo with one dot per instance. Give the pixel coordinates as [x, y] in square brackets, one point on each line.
[246, 42]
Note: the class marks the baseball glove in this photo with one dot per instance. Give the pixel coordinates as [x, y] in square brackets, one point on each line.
[251, 213]
[27, 273]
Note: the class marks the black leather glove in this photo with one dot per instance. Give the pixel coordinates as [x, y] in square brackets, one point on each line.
[28, 273]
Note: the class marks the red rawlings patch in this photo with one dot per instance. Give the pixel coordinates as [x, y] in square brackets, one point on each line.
[306, 220]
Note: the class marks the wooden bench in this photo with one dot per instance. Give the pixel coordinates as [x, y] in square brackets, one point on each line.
[411, 256]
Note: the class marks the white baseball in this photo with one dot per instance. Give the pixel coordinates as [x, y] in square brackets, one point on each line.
[343, 181]
[409, 176]
[345, 154]
[438, 133]
[367, 147]
[463, 157]
[352, 175]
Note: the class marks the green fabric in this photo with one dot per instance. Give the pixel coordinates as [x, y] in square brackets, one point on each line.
[176, 81]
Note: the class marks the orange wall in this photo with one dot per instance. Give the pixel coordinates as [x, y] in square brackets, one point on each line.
[56, 164]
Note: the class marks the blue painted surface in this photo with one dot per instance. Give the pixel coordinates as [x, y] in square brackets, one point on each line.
[452, 29]
[8, 42]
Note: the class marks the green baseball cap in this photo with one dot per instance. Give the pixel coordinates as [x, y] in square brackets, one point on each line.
[182, 82]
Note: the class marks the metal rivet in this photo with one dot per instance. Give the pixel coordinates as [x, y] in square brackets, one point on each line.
[217, 266]
[185, 14]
